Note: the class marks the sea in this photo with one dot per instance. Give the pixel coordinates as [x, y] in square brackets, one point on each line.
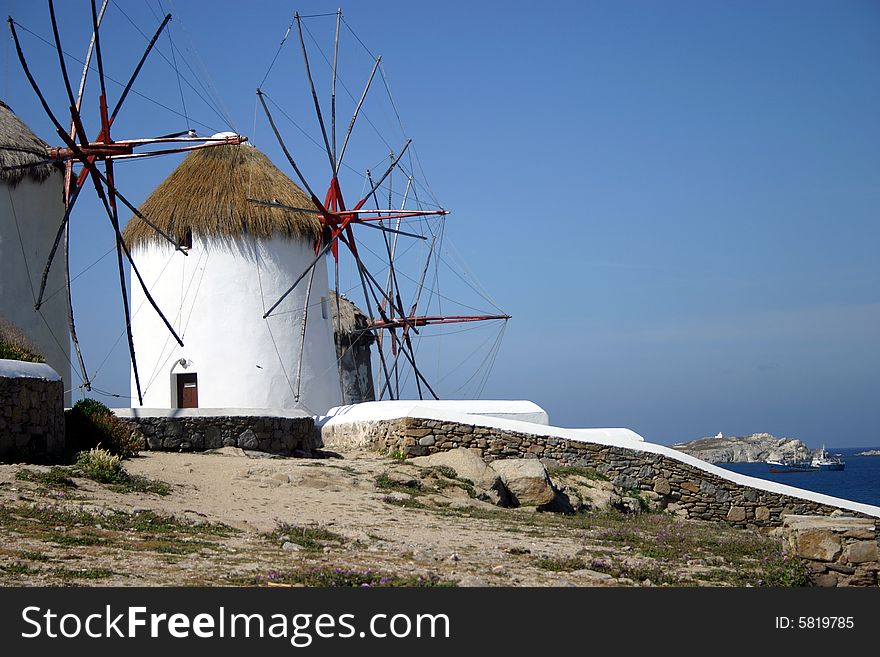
[859, 481]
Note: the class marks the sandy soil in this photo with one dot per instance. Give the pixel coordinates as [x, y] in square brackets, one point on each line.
[441, 533]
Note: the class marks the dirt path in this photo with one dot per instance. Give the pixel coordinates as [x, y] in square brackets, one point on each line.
[344, 518]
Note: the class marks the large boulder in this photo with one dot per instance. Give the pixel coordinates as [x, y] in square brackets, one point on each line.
[587, 494]
[470, 466]
[526, 480]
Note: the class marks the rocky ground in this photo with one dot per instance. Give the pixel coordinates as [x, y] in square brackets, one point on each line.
[236, 518]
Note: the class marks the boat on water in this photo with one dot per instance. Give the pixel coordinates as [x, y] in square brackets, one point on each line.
[821, 460]
[792, 465]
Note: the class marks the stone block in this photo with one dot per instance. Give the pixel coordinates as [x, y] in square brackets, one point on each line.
[818, 544]
[661, 486]
[736, 514]
[247, 439]
[213, 438]
[841, 568]
[861, 533]
[172, 442]
[861, 551]
[828, 580]
[862, 577]
[173, 428]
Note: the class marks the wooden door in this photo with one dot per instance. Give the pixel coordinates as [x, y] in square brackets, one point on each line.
[187, 391]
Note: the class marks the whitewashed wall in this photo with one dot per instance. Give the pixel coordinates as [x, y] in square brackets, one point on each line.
[215, 298]
[34, 210]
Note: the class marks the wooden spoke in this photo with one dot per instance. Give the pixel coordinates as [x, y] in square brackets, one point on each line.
[357, 110]
[62, 231]
[287, 154]
[333, 93]
[71, 323]
[314, 93]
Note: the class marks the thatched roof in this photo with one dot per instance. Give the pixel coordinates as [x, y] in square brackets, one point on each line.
[19, 145]
[352, 321]
[207, 194]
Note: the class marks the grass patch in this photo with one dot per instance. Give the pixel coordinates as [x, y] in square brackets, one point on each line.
[30, 555]
[397, 455]
[638, 571]
[19, 568]
[139, 484]
[412, 486]
[406, 504]
[442, 470]
[56, 477]
[31, 519]
[560, 564]
[178, 547]
[662, 544]
[70, 539]
[103, 468]
[84, 573]
[312, 538]
[327, 577]
[464, 484]
[577, 471]
[779, 569]
[347, 469]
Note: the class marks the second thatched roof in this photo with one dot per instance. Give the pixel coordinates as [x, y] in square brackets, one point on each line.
[207, 195]
[22, 149]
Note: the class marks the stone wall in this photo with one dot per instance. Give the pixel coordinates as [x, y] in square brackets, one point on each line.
[669, 483]
[839, 551]
[289, 436]
[31, 419]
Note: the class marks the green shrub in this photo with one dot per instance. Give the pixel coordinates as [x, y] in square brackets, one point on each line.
[102, 466]
[91, 407]
[15, 345]
[90, 423]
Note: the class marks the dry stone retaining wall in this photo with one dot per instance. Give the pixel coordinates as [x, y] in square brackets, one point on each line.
[672, 484]
[275, 435]
[31, 419]
[838, 551]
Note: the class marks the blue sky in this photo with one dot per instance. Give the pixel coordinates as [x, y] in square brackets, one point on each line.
[677, 202]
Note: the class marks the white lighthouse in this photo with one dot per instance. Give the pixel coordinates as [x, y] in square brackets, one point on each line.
[242, 257]
[31, 208]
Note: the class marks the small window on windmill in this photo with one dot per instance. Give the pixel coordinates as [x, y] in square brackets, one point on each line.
[325, 310]
[186, 241]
